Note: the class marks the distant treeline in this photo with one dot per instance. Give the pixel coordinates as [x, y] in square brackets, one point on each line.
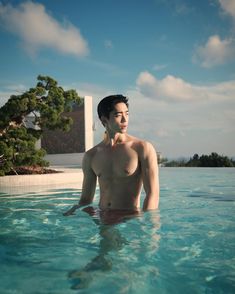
[212, 160]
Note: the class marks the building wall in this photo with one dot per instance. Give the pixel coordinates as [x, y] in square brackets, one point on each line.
[67, 148]
[60, 142]
[88, 119]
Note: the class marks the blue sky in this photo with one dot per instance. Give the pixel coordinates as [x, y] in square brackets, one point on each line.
[174, 59]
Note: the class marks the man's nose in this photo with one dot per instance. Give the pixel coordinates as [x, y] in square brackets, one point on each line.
[124, 118]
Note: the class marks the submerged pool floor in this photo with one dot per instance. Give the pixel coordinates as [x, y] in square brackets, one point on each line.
[187, 246]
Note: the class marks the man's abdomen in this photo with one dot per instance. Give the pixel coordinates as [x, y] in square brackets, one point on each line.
[120, 193]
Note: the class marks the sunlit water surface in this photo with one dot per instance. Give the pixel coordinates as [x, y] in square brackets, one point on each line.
[187, 246]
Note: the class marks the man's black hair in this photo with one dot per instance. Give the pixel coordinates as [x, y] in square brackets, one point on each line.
[106, 105]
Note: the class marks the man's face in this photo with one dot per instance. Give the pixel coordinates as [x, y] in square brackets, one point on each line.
[118, 119]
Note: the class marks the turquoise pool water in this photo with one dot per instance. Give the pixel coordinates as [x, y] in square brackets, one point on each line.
[187, 246]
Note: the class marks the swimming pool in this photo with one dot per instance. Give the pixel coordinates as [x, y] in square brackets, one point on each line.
[187, 246]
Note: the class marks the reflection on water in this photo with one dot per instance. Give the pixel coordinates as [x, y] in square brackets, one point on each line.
[111, 240]
[215, 195]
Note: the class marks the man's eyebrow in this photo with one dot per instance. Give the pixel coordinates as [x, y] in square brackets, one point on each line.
[116, 112]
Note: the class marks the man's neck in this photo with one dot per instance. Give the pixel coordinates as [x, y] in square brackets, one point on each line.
[114, 139]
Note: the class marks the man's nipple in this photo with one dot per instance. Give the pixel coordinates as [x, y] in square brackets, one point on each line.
[127, 172]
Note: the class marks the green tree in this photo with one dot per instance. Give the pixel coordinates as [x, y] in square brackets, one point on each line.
[194, 162]
[46, 104]
[212, 160]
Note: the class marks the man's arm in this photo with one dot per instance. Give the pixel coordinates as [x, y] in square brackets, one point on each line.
[149, 167]
[88, 185]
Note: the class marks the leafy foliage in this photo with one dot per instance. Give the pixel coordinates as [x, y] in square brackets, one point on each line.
[46, 104]
[212, 160]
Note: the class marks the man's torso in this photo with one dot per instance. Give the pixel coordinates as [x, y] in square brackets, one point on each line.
[119, 174]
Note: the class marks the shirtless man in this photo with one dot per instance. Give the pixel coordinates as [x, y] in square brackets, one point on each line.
[122, 164]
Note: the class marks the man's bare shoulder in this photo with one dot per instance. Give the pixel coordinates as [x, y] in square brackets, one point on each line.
[89, 154]
[141, 145]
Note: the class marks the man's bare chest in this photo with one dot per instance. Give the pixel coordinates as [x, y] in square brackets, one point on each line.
[115, 162]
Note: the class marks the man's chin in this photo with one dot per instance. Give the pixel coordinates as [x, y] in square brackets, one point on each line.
[123, 130]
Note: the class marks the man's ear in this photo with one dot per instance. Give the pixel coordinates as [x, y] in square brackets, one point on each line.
[103, 120]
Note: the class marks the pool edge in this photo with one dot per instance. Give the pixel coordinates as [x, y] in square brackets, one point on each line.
[66, 177]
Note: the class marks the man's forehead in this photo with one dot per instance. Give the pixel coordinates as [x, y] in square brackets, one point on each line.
[120, 107]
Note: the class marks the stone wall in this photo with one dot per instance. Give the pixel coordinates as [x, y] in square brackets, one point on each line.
[59, 142]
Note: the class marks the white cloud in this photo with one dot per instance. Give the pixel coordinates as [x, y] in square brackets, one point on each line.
[170, 88]
[182, 8]
[173, 89]
[4, 96]
[162, 132]
[108, 44]
[228, 6]
[159, 67]
[10, 89]
[215, 52]
[37, 29]
[185, 128]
